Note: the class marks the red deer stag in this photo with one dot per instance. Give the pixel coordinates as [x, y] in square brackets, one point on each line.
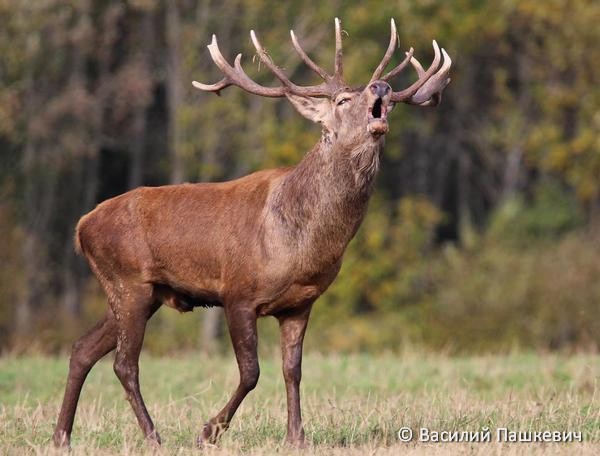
[266, 244]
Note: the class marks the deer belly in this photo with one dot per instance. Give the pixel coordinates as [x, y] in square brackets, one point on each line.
[185, 302]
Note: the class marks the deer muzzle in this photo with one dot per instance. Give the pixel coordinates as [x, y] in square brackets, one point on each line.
[379, 98]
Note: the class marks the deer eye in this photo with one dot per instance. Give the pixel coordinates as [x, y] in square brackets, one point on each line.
[343, 100]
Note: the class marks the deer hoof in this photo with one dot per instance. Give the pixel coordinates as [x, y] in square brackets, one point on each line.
[202, 444]
[299, 443]
[210, 434]
[61, 440]
[153, 440]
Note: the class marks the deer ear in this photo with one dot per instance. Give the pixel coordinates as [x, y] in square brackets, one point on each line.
[316, 109]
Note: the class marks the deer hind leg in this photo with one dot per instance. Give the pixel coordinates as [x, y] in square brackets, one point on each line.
[242, 329]
[99, 341]
[135, 306]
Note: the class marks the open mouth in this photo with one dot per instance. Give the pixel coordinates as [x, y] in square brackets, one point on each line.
[377, 118]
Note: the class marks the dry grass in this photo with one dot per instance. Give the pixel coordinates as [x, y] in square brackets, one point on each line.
[352, 404]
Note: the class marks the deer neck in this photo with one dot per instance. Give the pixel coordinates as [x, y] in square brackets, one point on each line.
[322, 201]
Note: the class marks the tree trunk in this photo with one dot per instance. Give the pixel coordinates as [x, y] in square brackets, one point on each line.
[84, 176]
[173, 85]
[137, 148]
[139, 122]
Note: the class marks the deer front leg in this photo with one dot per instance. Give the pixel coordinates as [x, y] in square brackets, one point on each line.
[242, 329]
[293, 327]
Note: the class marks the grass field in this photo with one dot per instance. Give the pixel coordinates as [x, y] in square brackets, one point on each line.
[351, 404]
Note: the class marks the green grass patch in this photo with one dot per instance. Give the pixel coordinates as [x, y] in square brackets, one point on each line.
[352, 404]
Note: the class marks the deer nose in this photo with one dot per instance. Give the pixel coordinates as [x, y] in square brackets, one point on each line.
[380, 88]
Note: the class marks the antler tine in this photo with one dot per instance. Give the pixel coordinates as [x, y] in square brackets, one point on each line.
[405, 94]
[309, 62]
[388, 54]
[264, 58]
[247, 81]
[314, 91]
[235, 76]
[339, 68]
[417, 66]
[430, 93]
[393, 73]
[216, 87]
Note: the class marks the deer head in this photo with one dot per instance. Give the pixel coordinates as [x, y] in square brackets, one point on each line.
[342, 111]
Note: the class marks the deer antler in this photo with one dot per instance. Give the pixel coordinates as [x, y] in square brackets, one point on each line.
[237, 76]
[338, 73]
[388, 54]
[427, 90]
[311, 91]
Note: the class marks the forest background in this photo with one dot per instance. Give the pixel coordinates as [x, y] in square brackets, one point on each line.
[482, 235]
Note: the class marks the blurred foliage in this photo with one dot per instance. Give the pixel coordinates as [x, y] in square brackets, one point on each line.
[550, 213]
[505, 297]
[482, 232]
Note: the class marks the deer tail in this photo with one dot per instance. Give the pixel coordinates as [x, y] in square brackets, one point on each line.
[77, 238]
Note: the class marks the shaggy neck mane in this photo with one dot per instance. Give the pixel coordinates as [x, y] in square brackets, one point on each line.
[322, 201]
